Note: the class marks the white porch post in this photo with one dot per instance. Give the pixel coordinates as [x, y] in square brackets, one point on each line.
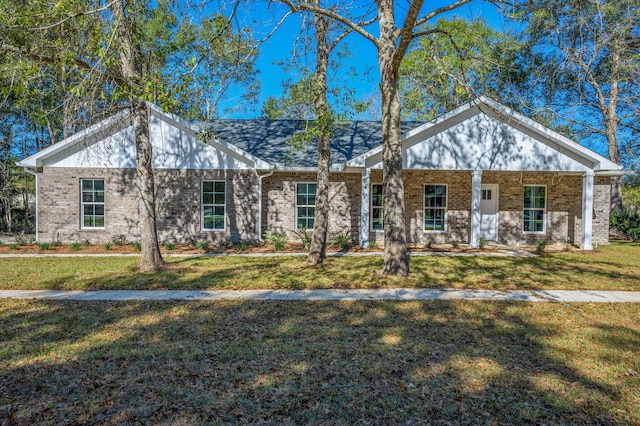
[476, 198]
[364, 208]
[587, 210]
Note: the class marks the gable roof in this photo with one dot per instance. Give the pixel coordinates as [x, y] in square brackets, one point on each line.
[429, 133]
[270, 140]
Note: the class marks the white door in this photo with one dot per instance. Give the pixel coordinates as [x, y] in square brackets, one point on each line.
[489, 212]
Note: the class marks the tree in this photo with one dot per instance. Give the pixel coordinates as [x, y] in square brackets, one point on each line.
[126, 53]
[395, 36]
[459, 61]
[590, 51]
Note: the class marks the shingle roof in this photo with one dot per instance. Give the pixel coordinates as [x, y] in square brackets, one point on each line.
[269, 139]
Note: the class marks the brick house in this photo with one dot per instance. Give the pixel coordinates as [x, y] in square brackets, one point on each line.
[482, 170]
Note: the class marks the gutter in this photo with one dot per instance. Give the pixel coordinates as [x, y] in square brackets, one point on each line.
[31, 172]
[260, 177]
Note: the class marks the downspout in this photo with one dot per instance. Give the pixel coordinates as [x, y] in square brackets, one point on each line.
[36, 177]
[260, 204]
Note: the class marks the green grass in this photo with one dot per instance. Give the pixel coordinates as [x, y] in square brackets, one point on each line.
[364, 362]
[615, 267]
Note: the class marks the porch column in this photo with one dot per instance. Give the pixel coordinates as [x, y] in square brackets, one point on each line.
[587, 210]
[476, 198]
[364, 208]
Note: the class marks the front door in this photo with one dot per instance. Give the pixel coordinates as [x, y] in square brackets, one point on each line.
[489, 212]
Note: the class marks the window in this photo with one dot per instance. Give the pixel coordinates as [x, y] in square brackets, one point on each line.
[377, 224]
[92, 203]
[435, 207]
[305, 204]
[534, 208]
[486, 194]
[213, 205]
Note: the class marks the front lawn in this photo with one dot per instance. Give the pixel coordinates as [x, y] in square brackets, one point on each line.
[366, 362]
[615, 267]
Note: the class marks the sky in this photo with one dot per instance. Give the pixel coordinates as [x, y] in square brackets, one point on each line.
[363, 57]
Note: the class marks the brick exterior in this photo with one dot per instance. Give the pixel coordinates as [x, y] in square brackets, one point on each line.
[179, 205]
[279, 202]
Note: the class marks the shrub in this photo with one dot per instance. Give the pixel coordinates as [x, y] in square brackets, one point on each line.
[482, 241]
[137, 245]
[455, 244]
[119, 240]
[542, 244]
[108, 246]
[14, 246]
[44, 246]
[1, 243]
[342, 239]
[278, 240]
[170, 246]
[304, 235]
[627, 222]
[75, 246]
[372, 244]
[202, 245]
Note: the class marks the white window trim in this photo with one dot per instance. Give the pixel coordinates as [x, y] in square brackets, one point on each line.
[544, 212]
[446, 209]
[202, 206]
[295, 195]
[82, 204]
[371, 209]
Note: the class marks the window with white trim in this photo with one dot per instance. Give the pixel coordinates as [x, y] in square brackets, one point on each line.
[213, 205]
[435, 207]
[377, 221]
[92, 203]
[534, 203]
[305, 204]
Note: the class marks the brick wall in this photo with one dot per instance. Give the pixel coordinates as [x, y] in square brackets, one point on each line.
[279, 202]
[179, 208]
[177, 205]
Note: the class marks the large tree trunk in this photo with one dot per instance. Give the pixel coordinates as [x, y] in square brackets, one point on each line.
[132, 74]
[321, 217]
[396, 261]
[150, 249]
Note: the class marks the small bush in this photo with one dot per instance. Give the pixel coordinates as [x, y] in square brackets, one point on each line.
[202, 245]
[170, 246]
[627, 222]
[119, 240]
[482, 241]
[455, 244]
[75, 246]
[372, 244]
[304, 235]
[14, 246]
[44, 246]
[342, 239]
[278, 240]
[542, 244]
[1, 243]
[136, 245]
[108, 246]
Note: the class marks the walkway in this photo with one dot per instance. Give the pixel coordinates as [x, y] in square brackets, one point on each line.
[308, 295]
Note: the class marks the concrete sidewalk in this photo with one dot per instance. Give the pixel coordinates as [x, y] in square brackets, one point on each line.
[335, 295]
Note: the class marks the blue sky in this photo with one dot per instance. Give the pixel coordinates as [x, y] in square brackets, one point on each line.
[363, 54]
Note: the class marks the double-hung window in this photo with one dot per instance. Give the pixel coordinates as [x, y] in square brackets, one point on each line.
[435, 207]
[305, 204]
[535, 201]
[377, 222]
[213, 205]
[92, 203]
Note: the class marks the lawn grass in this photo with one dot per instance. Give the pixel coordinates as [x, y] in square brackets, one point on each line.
[368, 362]
[615, 267]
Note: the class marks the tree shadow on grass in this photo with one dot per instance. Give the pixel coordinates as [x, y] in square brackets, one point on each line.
[313, 362]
